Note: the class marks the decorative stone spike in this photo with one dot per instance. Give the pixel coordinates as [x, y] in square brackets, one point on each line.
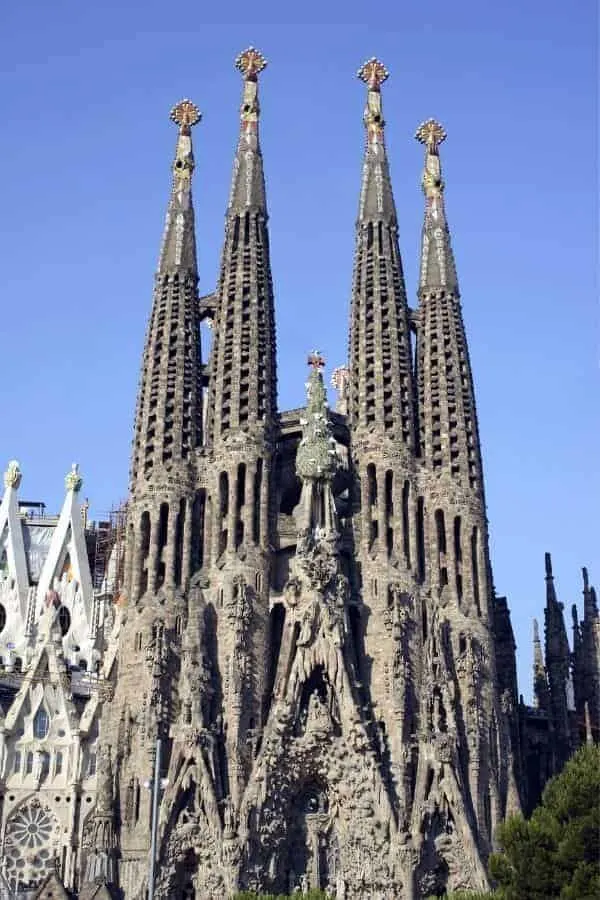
[73, 480]
[13, 475]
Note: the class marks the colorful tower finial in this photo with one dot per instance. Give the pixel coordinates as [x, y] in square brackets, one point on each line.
[373, 73]
[185, 114]
[315, 360]
[250, 63]
[431, 134]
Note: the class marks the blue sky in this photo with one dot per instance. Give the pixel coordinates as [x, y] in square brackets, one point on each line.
[85, 154]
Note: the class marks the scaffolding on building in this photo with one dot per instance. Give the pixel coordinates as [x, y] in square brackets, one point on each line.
[107, 550]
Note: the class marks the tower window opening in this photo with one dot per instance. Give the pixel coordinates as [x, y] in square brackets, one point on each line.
[258, 477]
[421, 537]
[198, 515]
[389, 510]
[223, 510]
[372, 484]
[163, 522]
[475, 568]
[406, 522]
[179, 526]
[240, 502]
[441, 546]
[458, 556]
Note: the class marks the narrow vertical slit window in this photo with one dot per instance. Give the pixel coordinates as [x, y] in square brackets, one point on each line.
[440, 528]
[475, 568]
[223, 510]
[458, 557]
[240, 502]
[406, 523]
[258, 477]
[389, 511]
[179, 541]
[421, 537]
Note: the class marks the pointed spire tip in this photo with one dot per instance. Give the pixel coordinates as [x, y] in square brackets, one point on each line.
[548, 564]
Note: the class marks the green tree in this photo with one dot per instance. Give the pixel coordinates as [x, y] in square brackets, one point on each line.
[555, 855]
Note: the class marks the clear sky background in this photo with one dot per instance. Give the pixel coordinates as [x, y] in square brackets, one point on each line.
[85, 152]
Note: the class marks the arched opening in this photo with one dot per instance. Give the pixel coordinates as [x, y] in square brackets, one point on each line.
[2, 618]
[144, 550]
[41, 724]
[276, 625]
[198, 514]
[475, 568]
[179, 526]
[406, 522]
[421, 538]
[389, 511]
[258, 479]
[64, 620]
[223, 511]
[440, 528]
[240, 501]
[290, 497]
[163, 525]
[458, 557]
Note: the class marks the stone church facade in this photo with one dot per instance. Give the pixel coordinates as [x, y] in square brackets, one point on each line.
[301, 638]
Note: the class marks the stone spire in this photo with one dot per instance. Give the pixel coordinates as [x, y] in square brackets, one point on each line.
[381, 391]
[101, 867]
[316, 460]
[540, 685]
[316, 457]
[178, 251]
[169, 408]
[557, 667]
[438, 269]
[243, 378]
[449, 435]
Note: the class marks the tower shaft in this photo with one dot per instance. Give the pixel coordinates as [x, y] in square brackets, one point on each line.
[241, 419]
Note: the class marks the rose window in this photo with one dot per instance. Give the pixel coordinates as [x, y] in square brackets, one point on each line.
[30, 845]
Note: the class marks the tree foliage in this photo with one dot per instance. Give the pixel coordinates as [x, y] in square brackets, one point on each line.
[555, 855]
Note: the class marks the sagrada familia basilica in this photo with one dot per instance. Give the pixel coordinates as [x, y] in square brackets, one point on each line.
[288, 667]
